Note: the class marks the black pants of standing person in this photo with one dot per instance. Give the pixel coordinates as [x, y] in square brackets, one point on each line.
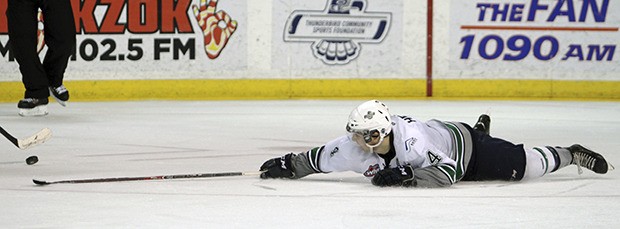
[59, 30]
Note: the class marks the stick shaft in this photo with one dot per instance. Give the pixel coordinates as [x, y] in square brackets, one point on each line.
[162, 177]
[28, 142]
[9, 136]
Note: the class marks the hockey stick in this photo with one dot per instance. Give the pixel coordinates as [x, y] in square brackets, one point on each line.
[163, 177]
[28, 142]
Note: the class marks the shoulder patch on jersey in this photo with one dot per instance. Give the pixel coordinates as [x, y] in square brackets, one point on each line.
[433, 158]
[372, 170]
[409, 143]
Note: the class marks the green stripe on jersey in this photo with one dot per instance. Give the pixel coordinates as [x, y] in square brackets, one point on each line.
[449, 171]
[314, 155]
[460, 147]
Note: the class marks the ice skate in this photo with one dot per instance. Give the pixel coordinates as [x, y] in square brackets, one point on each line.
[32, 107]
[583, 157]
[483, 124]
[61, 94]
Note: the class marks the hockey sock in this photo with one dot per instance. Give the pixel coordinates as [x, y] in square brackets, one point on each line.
[539, 161]
[554, 157]
[544, 160]
[562, 156]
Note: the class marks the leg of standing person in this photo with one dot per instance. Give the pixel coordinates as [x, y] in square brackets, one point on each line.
[60, 39]
[22, 24]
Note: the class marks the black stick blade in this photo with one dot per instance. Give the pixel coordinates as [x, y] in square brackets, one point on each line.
[40, 182]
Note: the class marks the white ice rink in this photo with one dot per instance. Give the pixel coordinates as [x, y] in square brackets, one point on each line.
[124, 139]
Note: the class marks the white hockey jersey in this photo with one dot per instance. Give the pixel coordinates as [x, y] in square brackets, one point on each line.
[435, 150]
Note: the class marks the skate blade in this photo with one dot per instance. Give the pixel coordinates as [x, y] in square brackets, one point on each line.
[62, 103]
[36, 111]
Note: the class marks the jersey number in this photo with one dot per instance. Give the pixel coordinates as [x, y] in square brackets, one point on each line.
[433, 157]
[407, 118]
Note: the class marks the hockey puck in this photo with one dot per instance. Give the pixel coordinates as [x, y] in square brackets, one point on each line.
[32, 160]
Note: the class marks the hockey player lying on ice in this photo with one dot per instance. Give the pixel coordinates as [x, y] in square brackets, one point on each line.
[402, 151]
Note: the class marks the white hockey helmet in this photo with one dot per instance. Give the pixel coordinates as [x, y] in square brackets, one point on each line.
[369, 118]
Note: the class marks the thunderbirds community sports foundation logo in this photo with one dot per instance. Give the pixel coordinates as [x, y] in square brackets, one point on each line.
[338, 31]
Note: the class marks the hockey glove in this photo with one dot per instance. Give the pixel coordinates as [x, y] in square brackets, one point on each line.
[399, 176]
[279, 167]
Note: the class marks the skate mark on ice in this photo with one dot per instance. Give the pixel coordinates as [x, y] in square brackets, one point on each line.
[280, 149]
[194, 157]
[140, 153]
[265, 187]
[11, 162]
[288, 140]
[574, 188]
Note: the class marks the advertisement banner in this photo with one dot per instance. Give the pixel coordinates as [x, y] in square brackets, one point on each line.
[538, 35]
[127, 38]
[357, 35]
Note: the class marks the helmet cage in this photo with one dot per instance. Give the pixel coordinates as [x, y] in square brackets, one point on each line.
[367, 135]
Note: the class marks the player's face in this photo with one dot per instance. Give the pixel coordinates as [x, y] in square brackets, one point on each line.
[365, 143]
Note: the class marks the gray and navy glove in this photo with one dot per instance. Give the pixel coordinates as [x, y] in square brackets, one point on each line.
[399, 176]
[279, 167]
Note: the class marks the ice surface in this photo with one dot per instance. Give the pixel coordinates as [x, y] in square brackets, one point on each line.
[121, 139]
